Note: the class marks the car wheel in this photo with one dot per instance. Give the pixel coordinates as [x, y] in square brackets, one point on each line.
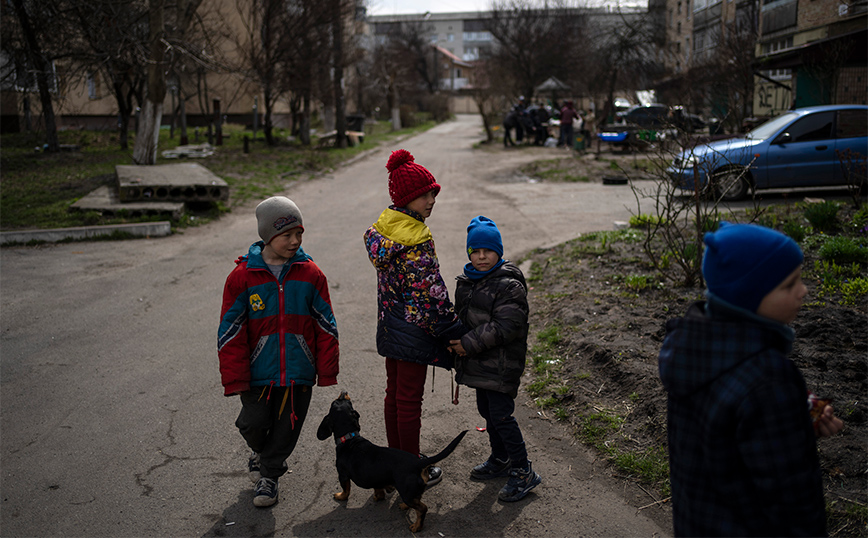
[731, 185]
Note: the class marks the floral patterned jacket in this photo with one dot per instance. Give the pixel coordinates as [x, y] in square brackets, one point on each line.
[415, 318]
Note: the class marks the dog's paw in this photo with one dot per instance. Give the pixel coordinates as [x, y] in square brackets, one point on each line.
[379, 494]
[403, 506]
[342, 496]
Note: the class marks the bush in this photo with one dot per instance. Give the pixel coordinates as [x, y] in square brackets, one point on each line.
[795, 230]
[823, 216]
[843, 250]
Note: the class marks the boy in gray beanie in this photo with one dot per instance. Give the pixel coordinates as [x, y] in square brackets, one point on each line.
[276, 311]
[742, 431]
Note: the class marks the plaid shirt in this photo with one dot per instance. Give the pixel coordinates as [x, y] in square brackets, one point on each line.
[742, 450]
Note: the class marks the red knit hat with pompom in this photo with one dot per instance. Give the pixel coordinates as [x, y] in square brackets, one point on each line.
[408, 180]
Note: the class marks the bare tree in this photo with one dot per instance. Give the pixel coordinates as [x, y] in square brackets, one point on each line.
[39, 62]
[534, 43]
[114, 43]
[148, 126]
[622, 58]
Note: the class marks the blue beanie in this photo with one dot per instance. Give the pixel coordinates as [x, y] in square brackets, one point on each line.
[744, 262]
[483, 233]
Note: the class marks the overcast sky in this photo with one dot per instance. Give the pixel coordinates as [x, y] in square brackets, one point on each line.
[393, 7]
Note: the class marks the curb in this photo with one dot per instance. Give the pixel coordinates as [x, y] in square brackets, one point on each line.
[142, 229]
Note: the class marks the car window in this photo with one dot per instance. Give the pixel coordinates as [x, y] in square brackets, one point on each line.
[812, 127]
[852, 123]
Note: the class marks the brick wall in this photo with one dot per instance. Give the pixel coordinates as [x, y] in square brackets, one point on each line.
[853, 86]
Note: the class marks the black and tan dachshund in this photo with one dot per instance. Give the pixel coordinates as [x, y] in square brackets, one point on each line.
[375, 467]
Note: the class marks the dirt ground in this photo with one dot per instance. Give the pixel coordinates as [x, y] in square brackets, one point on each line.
[610, 336]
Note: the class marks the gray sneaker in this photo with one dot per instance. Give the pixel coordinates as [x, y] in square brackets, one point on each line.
[490, 468]
[520, 482]
[265, 493]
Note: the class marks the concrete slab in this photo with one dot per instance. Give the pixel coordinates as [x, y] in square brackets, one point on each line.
[140, 229]
[181, 182]
[105, 200]
[196, 151]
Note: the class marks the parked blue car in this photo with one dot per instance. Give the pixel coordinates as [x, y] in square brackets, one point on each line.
[799, 148]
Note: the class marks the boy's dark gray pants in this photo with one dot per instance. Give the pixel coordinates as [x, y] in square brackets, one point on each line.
[267, 430]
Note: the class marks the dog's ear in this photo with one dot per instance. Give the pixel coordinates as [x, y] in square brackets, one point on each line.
[356, 415]
[325, 429]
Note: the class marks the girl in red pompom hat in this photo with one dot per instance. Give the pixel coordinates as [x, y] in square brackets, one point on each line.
[415, 318]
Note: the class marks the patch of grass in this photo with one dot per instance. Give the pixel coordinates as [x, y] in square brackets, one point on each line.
[594, 428]
[644, 221]
[550, 336]
[855, 291]
[38, 188]
[842, 249]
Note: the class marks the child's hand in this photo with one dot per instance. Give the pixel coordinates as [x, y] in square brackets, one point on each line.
[828, 424]
[455, 346]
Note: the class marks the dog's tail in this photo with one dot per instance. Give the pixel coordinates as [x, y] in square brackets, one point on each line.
[430, 460]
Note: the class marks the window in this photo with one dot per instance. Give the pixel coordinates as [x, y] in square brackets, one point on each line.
[450, 37]
[852, 123]
[470, 54]
[813, 127]
[91, 86]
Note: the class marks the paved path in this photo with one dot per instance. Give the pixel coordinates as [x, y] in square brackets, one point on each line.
[113, 420]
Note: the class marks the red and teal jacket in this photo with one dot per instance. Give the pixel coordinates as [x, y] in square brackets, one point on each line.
[276, 331]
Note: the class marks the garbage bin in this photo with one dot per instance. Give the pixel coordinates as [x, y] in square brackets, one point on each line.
[579, 144]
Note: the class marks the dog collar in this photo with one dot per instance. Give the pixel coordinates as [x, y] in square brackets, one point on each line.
[346, 438]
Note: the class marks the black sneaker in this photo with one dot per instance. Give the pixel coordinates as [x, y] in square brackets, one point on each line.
[490, 468]
[253, 467]
[520, 482]
[265, 493]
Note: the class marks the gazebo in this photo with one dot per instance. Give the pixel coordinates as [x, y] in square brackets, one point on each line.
[552, 86]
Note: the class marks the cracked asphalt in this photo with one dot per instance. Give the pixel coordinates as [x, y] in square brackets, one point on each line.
[113, 421]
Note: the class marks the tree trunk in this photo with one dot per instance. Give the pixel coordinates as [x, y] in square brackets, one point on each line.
[148, 133]
[395, 108]
[268, 128]
[43, 69]
[124, 113]
[148, 128]
[304, 128]
[338, 63]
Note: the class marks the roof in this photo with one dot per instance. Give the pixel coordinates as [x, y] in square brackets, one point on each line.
[455, 59]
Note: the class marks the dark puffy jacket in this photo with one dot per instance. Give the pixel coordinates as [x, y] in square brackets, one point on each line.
[495, 310]
[415, 318]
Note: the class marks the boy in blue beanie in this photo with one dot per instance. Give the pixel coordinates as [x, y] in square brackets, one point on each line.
[742, 443]
[491, 301]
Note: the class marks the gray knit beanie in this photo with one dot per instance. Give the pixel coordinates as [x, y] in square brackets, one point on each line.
[276, 215]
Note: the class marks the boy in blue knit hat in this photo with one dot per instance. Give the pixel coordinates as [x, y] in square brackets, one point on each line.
[491, 301]
[742, 441]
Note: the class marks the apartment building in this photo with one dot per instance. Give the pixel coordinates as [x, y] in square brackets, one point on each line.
[811, 52]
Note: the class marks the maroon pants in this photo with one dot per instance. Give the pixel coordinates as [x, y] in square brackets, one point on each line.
[405, 383]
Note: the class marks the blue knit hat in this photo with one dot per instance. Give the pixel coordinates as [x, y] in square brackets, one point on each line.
[483, 233]
[744, 262]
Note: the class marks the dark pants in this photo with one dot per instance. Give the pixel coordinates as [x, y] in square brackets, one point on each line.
[504, 435]
[566, 135]
[269, 431]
